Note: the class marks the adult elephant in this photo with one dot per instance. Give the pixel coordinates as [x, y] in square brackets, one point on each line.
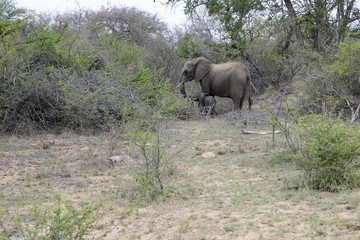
[230, 79]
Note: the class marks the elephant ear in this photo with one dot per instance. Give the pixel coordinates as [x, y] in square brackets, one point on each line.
[202, 68]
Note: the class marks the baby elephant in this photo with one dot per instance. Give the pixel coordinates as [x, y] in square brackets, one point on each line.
[206, 104]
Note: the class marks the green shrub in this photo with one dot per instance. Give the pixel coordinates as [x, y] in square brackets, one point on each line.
[160, 96]
[43, 49]
[325, 148]
[335, 79]
[152, 100]
[153, 168]
[61, 221]
[328, 152]
[345, 69]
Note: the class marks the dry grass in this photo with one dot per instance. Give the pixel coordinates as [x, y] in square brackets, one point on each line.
[235, 195]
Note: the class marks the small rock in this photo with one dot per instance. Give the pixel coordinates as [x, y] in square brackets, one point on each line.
[197, 148]
[208, 155]
[115, 158]
[84, 149]
[221, 152]
[350, 207]
[48, 144]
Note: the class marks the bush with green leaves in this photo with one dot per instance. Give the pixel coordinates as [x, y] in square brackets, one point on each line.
[62, 220]
[345, 69]
[335, 78]
[325, 148]
[149, 172]
[329, 152]
[55, 77]
[161, 97]
[151, 103]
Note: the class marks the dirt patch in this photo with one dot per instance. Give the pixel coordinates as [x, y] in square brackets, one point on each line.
[236, 194]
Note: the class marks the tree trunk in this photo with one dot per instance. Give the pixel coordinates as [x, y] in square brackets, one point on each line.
[295, 23]
[344, 18]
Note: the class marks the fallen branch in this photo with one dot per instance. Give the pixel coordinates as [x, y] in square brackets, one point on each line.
[261, 133]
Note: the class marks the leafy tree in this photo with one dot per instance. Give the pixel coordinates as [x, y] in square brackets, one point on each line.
[122, 21]
[321, 22]
[9, 11]
[11, 21]
[233, 14]
[315, 23]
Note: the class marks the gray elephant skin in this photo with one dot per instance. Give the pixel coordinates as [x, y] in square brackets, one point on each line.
[206, 104]
[230, 79]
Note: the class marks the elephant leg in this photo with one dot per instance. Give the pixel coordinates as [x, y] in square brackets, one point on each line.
[237, 104]
[241, 103]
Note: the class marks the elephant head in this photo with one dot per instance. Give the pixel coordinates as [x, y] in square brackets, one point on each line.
[198, 97]
[195, 69]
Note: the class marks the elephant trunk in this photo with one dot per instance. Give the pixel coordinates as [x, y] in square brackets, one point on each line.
[182, 90]
[182, 81]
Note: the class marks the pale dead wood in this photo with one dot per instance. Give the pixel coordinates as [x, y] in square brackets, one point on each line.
[261, 133]
[355, 114]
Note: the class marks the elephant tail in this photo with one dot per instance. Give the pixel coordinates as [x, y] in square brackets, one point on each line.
[250, 103]
[249, 92]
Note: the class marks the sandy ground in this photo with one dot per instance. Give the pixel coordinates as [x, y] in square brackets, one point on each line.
[232, 193]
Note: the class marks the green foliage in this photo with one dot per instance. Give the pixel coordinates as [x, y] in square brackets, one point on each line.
[58, 74]
[122, 54]
[188, 47]
[11, 23]
[84, 60]
[44, 49]
[152, 172]
[148, 133]
[149, 172]
[286, 156]
[285, 124]
[62, 220]
[347, 58]
[325, 148]
[346, 67]
[84, 107]
[8, 10]
[147, 85]
[329, 152]
[333, 82]
[160, 96]
[232, 14]
[49, 81]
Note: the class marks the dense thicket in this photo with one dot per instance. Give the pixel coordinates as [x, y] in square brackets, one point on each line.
[89, 69]
[83, 69]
